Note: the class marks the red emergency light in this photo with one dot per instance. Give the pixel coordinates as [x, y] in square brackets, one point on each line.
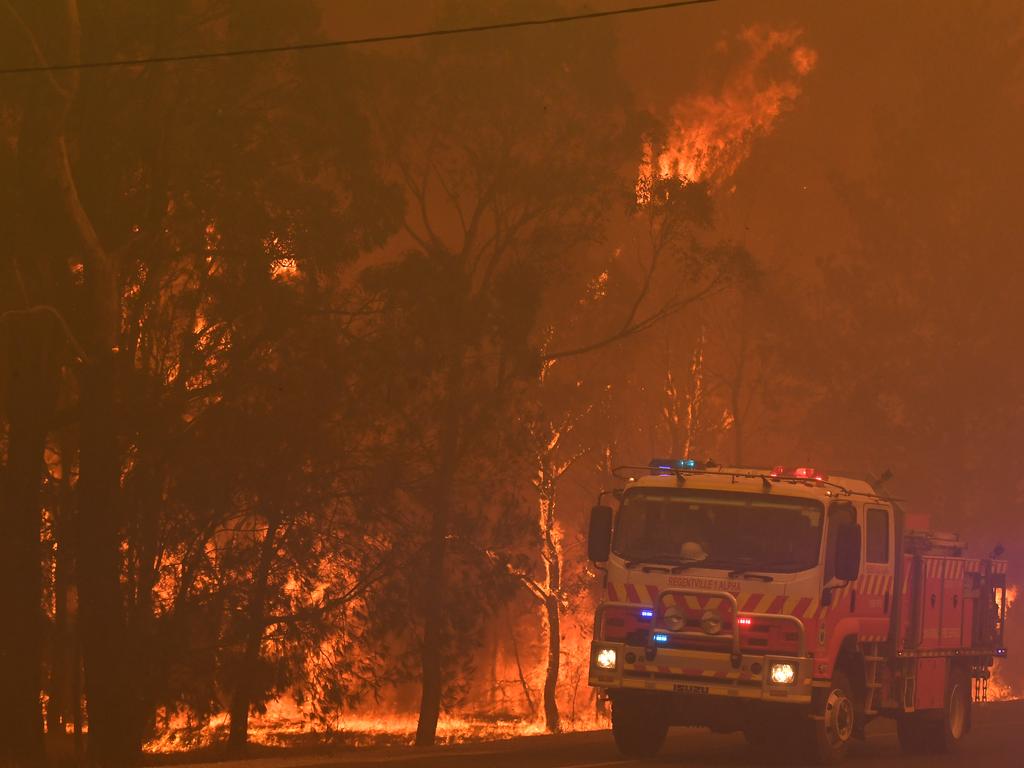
[800, 473]
[744, 621]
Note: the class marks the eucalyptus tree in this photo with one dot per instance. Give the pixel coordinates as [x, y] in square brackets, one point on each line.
[160, 206]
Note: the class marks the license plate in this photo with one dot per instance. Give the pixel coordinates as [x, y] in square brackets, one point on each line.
[698, 690]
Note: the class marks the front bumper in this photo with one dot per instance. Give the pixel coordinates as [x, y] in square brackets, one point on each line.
[726, 673]
[700, 673]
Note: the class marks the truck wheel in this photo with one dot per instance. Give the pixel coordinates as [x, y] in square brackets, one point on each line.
[832, 727]
[956, 715]
[639, 726]
[931, 731]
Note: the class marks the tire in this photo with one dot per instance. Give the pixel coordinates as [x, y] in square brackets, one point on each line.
[832, 728]
[639, 725]
[930, 732]
[956, 714]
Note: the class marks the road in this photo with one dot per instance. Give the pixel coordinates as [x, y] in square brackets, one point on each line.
[997, 741]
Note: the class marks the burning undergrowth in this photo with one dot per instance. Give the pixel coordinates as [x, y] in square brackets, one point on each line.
[285, 726]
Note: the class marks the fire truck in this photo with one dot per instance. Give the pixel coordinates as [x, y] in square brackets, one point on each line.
[788, 604]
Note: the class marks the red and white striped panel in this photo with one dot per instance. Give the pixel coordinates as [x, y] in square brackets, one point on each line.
[875, 584]
[632, 593]
[955, 569]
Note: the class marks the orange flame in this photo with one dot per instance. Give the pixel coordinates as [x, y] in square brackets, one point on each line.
[999, 688]
[711, 134]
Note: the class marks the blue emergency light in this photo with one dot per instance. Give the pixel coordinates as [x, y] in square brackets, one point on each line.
[660, 637]
[672, 464]
[646, 613]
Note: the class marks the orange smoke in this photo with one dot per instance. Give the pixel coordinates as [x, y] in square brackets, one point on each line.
[711, 134]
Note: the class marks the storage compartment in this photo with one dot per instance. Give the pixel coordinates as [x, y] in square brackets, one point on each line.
[951, 625]
[933, 569]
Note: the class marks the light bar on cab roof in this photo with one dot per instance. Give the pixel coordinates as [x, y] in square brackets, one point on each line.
[673, 464]
[799, 473]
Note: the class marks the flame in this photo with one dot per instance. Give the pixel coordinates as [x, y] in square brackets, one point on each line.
[284, 269]
[280, 249]
[999, 687]
[711, 134]
[287, 724]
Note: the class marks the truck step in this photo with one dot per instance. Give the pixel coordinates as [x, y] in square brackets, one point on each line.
[874, 658]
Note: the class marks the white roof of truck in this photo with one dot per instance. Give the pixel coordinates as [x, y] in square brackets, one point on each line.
[749, 480]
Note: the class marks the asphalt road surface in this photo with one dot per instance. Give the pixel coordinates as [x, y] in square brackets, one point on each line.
[997, 741]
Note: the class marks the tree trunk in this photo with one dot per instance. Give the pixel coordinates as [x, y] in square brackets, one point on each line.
[434, 614]
[552, 588]
[108, 688]
[552, 720]
[242, 692]
[33, 343]
[54, 213]
[33, 350]
[433, 629]
[60, 648]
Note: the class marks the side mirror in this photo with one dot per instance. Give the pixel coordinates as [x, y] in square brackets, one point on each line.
[848, 552]
[599, 538]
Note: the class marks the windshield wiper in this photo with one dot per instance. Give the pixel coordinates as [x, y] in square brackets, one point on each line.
[745, 570]
[676, 563]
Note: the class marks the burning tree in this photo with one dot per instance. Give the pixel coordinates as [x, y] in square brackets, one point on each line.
[141, 261]
[256, 458]
[503, 193]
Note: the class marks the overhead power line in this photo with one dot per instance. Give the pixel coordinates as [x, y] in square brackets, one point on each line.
[351, 41]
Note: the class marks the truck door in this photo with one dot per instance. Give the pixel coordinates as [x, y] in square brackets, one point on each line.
[875, 585]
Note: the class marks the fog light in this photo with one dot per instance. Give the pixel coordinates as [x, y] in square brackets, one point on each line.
[782, 674]
[605, 658]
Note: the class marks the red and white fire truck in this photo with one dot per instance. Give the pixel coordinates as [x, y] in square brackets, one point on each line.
[787, 604]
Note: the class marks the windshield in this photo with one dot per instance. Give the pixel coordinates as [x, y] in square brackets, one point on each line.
[719, 529]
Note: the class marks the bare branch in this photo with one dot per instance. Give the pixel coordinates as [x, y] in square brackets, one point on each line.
[667, 310]
[51, 310]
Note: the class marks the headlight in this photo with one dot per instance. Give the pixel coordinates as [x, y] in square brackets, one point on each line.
[711, 622]
[782, 674]
[674, 619]
[605, 658]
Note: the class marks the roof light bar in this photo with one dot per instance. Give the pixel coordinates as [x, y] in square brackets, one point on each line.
[673, 464]
[798, 473]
